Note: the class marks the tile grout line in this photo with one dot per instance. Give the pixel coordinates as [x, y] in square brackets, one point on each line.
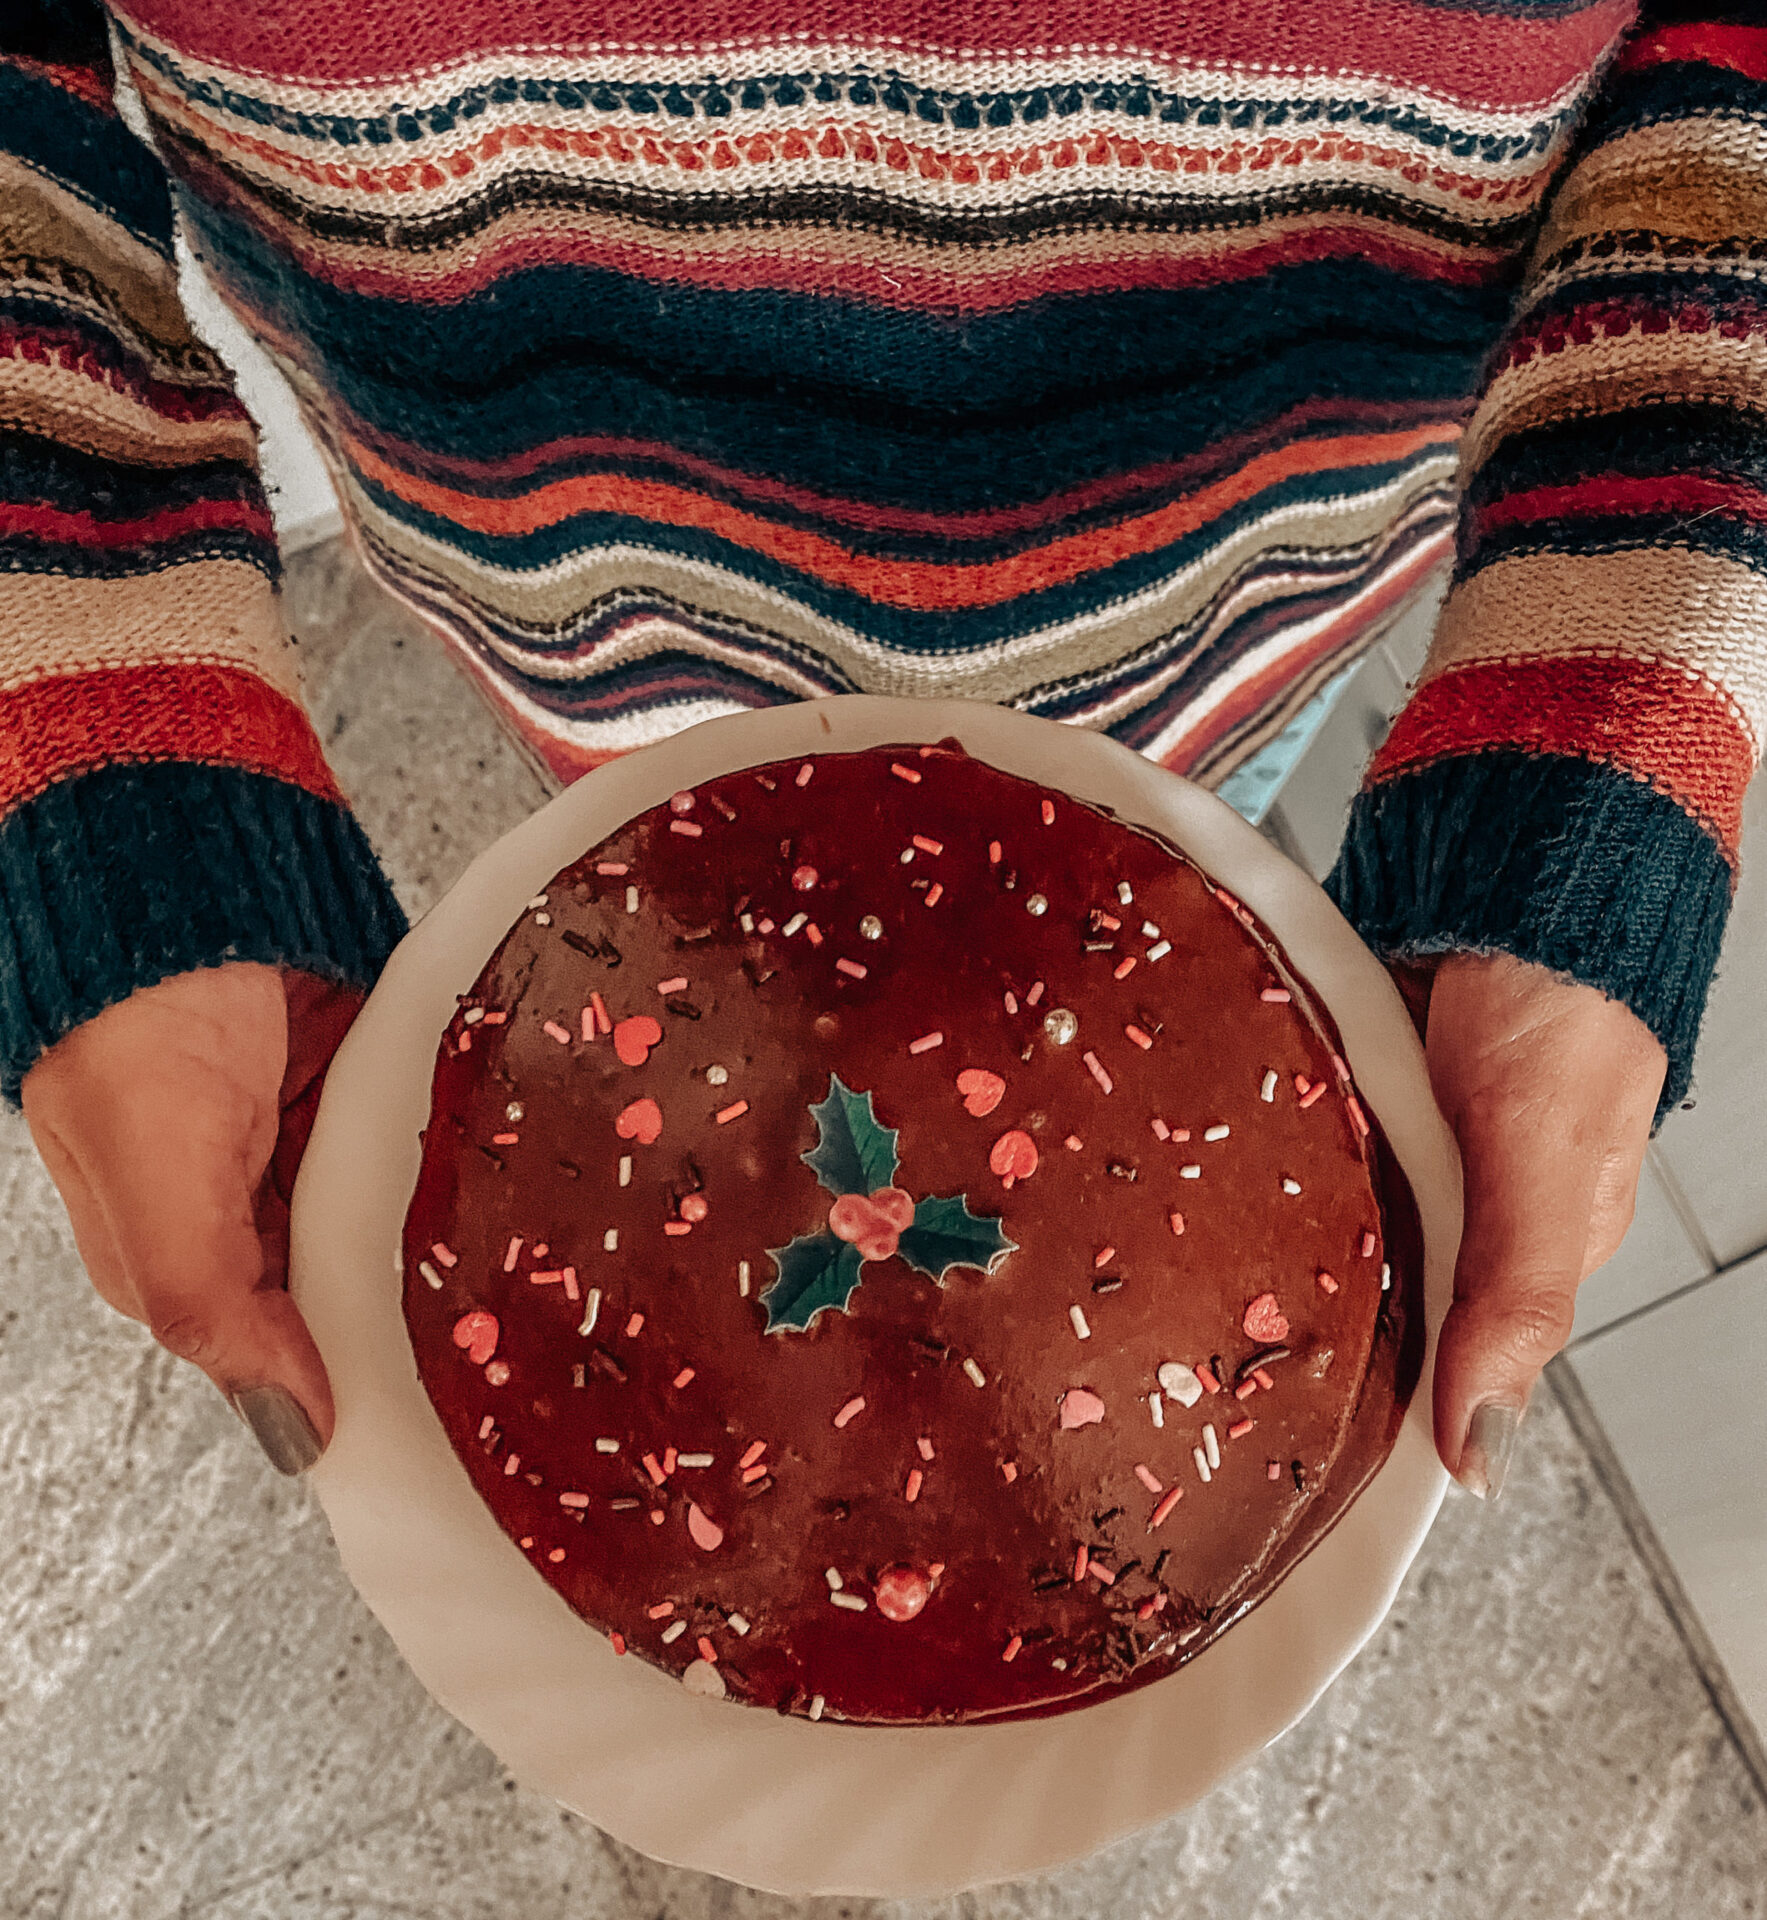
[1682, 1207]
[1664, 1300]
[1732, 1715]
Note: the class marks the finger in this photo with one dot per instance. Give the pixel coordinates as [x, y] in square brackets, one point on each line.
[93, 1239]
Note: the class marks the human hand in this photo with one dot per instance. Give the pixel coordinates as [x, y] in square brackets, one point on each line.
[173, 1124]
[1550, 1089]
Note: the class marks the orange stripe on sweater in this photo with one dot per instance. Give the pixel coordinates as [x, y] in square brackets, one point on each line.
[1650, 721]
[922, 585]
[130, 716]
[1709, 42]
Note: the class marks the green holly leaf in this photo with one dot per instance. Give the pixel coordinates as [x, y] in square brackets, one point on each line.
[945, 1234]
[854, 1154]
[816, 1272]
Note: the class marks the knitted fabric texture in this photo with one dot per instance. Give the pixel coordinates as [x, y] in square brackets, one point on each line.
[675, 364]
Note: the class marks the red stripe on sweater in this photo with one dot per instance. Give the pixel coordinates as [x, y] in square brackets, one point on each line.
[88, 530]
[1617, 493]
[86, 83]
[45, 347]
[1492, 57]
[128, 716]
[1710, 43]
[1674, 310]
[1659, 725]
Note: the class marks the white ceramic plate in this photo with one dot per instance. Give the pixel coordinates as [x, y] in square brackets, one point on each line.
[774, 1802]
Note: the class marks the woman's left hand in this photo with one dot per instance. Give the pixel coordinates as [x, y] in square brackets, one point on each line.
[1550, 1088]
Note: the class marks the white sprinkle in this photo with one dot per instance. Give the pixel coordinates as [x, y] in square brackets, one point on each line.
[833, 1577]
[1148, 927]
[1212, 1445]
[906, 856]
[542, 919]
[816, 1707]
[1216, 1133]
[737, 1624]
[429, 1273]
[673, 1632]
[746, 921]
[1157, 1408]
[610, 1240]
[539, 900]
[850, 1601]
[1125, 893]
[793, 924]
[716, 1076]
[591, 1307]
[631, 899]
[1268, 1090]
[473, 1015]
[607, 1446]
[742, 1278]
[1291, 1186]
[625, 1169]
[975, 1373]
[1192, 1172]
[1386, 1277]
[1178, 1382]
[693, 1459]
[1079, 1320]
[1202, 1465]
[1159, 952]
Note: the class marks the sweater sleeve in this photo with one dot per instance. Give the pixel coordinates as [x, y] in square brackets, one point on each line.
[1566, 783]
[164, 803]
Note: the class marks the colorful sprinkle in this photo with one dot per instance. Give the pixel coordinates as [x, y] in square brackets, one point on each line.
[1160, 1130]
[751, 1453]
[1326, 1283]
[1273, 1471]
[1240, 1429]
[1082, 1554]
[1356, 1116]
[1267, 1090]
[1097, 1072]
[1175, 1221]
[1167, 1503]
[1009, 1471]
[1156, 1407]
[1012, 1647]
[1291, 1187]
[558, 1033]
[1081, 1329]
[911, 1487]
[851, 968]
[1013, 1156]
[1145, 1476]
[676, 984]
[804, 773]
[476, 1335]
[1276, 996]
[1191, 1172]
[1159, 952]
[704, 1530]
[849, 1601]
[634, 1326]
[928, 846]
[1080, 1407]
[1314, 1093]
[1216, 1133]
[1368, 1244]
[1124, 968]
[1178, 1382]
[1142, 1040]
[1265, 1321]
[926, 1043]
[925, 1445]
[975, 1373]
[684, 1377]
[901, 772]
[1211, 1446]
[1048, 813]
[641, 1121]
[935, 893]
[611, 869]
[725, 1115]
[1206, 1375]
[430, 1274]
[851, 1410]
[634, 1038]
[690, 828]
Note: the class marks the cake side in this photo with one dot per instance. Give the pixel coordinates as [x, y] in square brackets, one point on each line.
[958, 1413]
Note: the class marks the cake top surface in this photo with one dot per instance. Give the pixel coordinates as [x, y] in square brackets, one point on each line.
[896, 1242]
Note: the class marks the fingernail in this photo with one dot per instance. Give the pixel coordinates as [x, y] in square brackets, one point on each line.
[281, 1426]
[1484, 1459]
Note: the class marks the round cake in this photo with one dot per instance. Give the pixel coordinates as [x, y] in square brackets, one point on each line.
[897, 1244]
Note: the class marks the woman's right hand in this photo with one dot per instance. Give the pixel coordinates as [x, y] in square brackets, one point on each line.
[173, 1124]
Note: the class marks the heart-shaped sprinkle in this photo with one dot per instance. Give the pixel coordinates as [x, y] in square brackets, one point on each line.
[634, 1038]
[1080, 1408]
[641, 1121]
[982, 1091]
[901, 1592]
[1177, 1382]
[476, 1333]
[705, 1530]
[1014, 1156]
[1265, 1321]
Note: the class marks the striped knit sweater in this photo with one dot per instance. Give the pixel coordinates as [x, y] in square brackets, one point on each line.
[670, 365]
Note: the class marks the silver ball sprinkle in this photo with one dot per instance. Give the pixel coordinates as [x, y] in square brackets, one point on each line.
[1036, 904]
[514, 1111]
[1060, 1025]
[871, 927]
[716, 1076]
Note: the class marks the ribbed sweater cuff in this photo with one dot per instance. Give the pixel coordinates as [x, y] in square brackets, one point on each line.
[1565, 862]
[130, 874]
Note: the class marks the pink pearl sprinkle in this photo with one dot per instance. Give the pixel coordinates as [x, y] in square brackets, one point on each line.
[676, 983]
[852, 968]
[690, 828]
[694, 1207]
[1097, 1072]
[443, 1254]
[804, 878]
[1049, 813]
[926, 1447]
[1145, 1476]
[560, 1034]
[911, 1488]
[1173, 1496]
[1273, 1471]
[1368, 1244]
[853, 1407]
[497, 1373]
[804, 773]
[905, 773]
[926, 1043]
[1276, 996]
[681, 802]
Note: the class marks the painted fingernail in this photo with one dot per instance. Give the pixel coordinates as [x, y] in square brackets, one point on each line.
[280, 1424]
[1484, 1459]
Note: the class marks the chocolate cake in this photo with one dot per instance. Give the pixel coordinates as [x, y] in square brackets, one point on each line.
[896, 1244]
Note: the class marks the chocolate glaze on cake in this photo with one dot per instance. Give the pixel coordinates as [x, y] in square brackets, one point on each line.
[1157, 1362]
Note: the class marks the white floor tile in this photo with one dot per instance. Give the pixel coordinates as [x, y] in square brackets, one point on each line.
[1657, 1257]
[1679, 1391]
[1718, 1152]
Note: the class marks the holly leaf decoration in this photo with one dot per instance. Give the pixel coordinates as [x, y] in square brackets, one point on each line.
[853, 1154]
[945, 1234]
[816, 1272]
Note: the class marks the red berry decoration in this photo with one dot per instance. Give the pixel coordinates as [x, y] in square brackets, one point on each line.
[901, 1592]
[476, 1334]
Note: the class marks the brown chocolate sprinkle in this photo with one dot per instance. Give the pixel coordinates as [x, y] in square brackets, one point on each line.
[1108, 1283]
[1294, 1467]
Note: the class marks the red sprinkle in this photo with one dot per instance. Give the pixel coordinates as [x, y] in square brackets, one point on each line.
[1277, 996]
[1102, 1573]
[905, 773]
[935, 893]
[514, 1254]
[852, 1408]
[1012, 1646]
[1327, 1284]
[1368, 1244]
[444, 1254]
[804, 878]
[752, 1453]
[982, 1091]
[1314, 1092]
[1355, 1107]
[660, 1611]
[694, 1206]
[1103, 1257]
[928, 846]
[1097, 1072]
[707, 1652]
[911, 1490]
[677, 983]
[504, 1139]
[1246, 1388]
[1108, 921]
[751, 1474]
[1239, 1429]
[1206, 1376]
[1262, 1376]
[1049, 813]
[654, 1467]
[1080, 1558]
[641, 1121]
[617, 1641]
[684, 1377]
[1173, 1496]
[634, 1038]
[993, 853]
[634, 1326]
[1176, 1222]
[558, 1033]
[735, 1112]
[1035, 994]
[926, 1043]
[676, 1228]
[496, 1019]
[611, 869]
[852, 968]
[603, 1023]
[1142, 1040]
[1124, 968]
[691, 828]
[669, 1459]
[1145, 1476]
